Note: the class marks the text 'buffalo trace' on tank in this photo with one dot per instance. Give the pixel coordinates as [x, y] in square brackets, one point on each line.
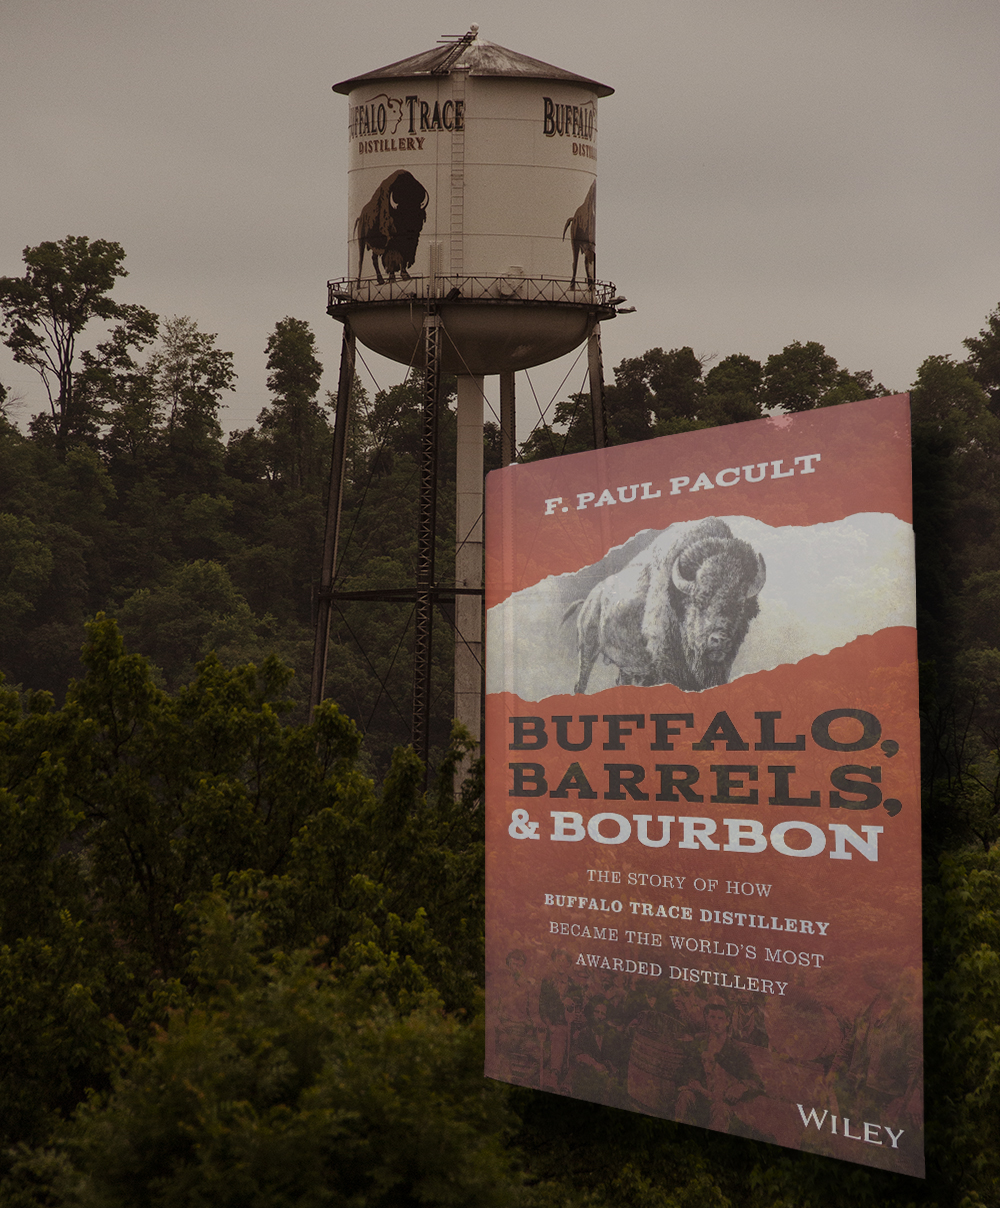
[390, 224]
[582, 229]
[676, 614]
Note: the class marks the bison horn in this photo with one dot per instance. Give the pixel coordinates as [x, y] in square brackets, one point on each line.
[394, 204]
[678, 580]
[759, 580]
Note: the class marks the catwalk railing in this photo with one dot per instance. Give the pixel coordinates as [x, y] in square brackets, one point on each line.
[346, 291]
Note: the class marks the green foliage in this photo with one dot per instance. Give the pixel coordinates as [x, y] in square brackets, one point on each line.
[27, 564]
[293, 429]
[804, 376]
[655, 394]
[283, 1086]
[55, 1034]
[178, 790]
[282, 1083]
[192, 613]
[664, 393]
[189, 375]
[733, 391]
[963, 1018]
[232, 969]
[67, 284]
[126, 814]
[984, 361]
[950, 407]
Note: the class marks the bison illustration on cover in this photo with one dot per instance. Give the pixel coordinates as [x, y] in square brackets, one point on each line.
[676, 614]
[582, 229]
[390, 225]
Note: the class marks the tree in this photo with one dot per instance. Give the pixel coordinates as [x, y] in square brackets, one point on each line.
[950, 407]
[962, 906]
[54, 565]
[55, 1029]
[955, 442]
[984, 362]
[121, 810]
[294, 423]
[804, 376]
[66, 285]
[192, 611]
[26, 564]
[655, 394]
[278, 1083]
[733, 391]
[124, 393]
[189, 374]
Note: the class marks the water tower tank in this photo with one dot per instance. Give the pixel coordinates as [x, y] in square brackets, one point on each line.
[472, 187]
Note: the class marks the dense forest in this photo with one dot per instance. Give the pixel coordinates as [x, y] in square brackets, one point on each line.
[241, 949]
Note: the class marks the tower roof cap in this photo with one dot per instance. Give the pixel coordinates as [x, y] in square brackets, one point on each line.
[474, 55]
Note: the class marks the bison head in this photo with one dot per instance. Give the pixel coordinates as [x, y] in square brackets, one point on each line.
[408, 205]
[715, 582]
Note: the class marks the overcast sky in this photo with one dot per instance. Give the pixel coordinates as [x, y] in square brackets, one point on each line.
[771, 170]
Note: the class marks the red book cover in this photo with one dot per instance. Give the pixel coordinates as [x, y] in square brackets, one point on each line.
[703, 786]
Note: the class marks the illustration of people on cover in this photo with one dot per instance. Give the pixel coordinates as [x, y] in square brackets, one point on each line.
[597, 1056]
[558, 1010]
[702, 1057]
[661, 1043]
[726, 1078]
[877, 1070]
[518, 1037]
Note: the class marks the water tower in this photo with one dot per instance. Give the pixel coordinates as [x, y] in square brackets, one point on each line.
[472, 199]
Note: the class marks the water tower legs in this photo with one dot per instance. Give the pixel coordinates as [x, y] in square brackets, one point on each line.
[596, 367]
[508, 420]
[469, 556]
[335, 497]
[426, 536]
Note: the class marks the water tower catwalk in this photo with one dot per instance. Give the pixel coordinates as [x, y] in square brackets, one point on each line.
[471, 249]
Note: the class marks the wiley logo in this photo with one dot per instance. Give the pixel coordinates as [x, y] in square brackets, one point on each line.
[869, 1136]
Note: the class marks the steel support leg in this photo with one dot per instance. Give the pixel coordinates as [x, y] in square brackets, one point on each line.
[426, 525]
[508, 420]
[331, 537]
[469, 556]
[596, 367]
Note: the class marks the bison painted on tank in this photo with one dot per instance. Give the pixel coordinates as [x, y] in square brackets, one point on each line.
[676, 614]
[582, 229]
[390, 225]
